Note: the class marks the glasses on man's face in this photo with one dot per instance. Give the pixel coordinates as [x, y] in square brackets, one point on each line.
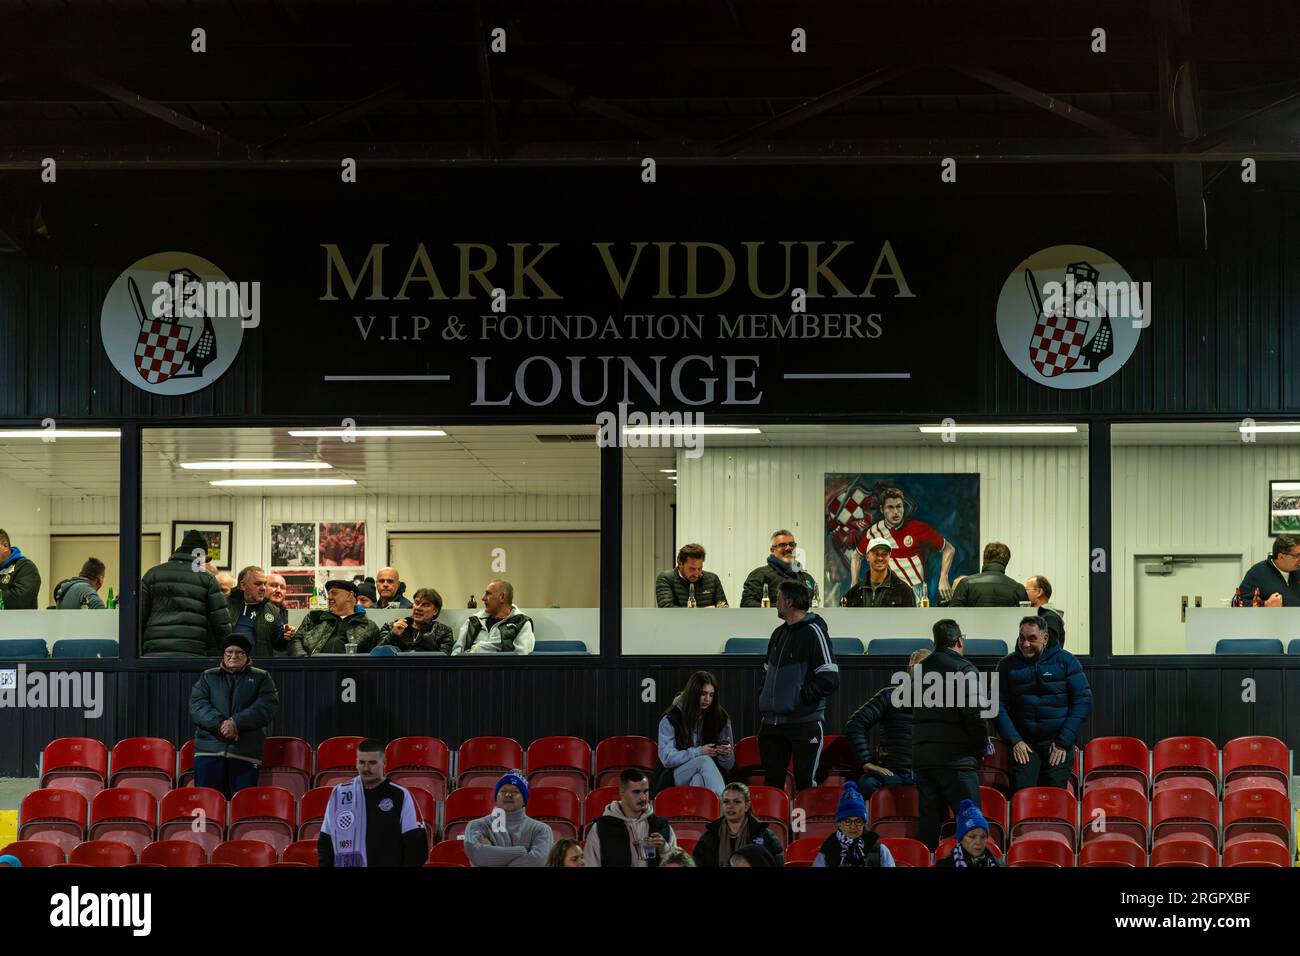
[1294, 555]
[784, 546]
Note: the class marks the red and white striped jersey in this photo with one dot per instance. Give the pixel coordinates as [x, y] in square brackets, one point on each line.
[912, 540]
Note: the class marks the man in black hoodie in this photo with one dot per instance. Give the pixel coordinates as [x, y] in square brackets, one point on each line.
[182, 609]
[949, 737]
[799, 676]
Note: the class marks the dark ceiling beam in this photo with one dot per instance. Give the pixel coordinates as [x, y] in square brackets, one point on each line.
[332, 120]
[1180, 120]
[791, 118]
[150, 108]
[592, 104]
[482, 57]
[1045, 101]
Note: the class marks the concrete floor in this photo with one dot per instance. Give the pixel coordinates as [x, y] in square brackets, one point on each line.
[13, 789]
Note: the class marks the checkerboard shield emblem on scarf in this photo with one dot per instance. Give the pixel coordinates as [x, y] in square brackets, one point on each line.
[160, 349]
[1056, 343]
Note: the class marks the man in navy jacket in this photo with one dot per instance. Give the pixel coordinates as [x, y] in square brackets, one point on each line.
[1043, 698]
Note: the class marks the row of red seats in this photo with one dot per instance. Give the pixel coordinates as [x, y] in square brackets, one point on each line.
[181, 853]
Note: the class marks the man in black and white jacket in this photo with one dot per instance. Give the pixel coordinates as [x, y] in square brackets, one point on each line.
[800, 674]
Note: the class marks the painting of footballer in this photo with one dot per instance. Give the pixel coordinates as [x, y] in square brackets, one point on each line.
[933, 520]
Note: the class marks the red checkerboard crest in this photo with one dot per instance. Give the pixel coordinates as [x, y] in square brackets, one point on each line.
[160, 349]
[1056, 343]
[849, 515]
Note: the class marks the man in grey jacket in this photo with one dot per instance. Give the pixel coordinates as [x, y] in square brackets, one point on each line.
[231, 706]
[83, 590]
[507, 836]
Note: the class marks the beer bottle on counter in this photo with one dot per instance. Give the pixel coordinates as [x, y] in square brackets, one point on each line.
[690, 598]
[1256, 601]
[112, 601]
[1236, 598]
[472, 603]
[767, 598]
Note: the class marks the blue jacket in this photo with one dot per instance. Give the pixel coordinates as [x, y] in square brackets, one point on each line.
[1042, 700]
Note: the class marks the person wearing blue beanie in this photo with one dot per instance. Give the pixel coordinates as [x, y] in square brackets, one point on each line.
[508, 836]
[972, 840]
[851, 843]
[516, 780]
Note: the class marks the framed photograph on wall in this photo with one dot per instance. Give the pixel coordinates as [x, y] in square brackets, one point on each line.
[1283, 507]
[293, 545]
[342, 544]
[219, 535]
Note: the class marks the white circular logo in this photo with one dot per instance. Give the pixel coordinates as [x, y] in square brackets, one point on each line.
[1071, 316]
[907, 540]
[386, 804]
[170, 323]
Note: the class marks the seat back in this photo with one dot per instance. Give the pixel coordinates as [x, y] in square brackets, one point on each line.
[336, 760]
[897, 646]
[420, 762]
[75, 763]
[985, 647]
[1108, 810]
[595, 804]
[772, 806]
[145, 762]
[244, 853]
[462, 806]
[193, 815]
[24, 649]
[1185, 757]
[1031, 852]
[449, 853]
[54, 815]
[745, 645]
[174, 853]
[84, 648]
[803, 851]
[558, 808]
[185, 764]
[102, 853]
[1178, 852]
[687, 804]
[263, 813]
[286, 762]
[481, 761]
[1116, 757]
[1256, 756]
[1044, 809]
[311, 811]
[1262, 813]
[303, 851]
[1187, 810]
[615, 754]
[995, 768]
[560, 761]
[907, 852]
[1256, 853]
[1247, 645]
[35, 852]
[1111, 853]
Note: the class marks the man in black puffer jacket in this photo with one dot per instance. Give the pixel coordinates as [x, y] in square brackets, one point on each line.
[182, 609]
[992, 587]
[231, 706]
[890, 764]
[948, 739]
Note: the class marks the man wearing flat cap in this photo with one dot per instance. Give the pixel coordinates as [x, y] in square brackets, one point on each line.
[329, 632]
[882, 587]
[231, 706]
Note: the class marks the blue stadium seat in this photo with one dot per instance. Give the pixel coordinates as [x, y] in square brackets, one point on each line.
[745, 645]
[1248, 645]
[845, 645]
[24, 648]
[559, 647]
[985, 647]
[898, 645]
[1294, 647]
[385, 650]
[85, 647]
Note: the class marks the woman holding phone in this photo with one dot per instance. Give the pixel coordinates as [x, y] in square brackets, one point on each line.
[695, 739]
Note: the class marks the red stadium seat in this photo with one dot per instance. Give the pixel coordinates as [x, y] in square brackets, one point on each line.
[463, 806]
[185, 764]
[1176, 852]
[895, 812]
[75, 763]
[230, 865]
[1256, 815]
[244, 853]
[557, 807]
[419, 762]
[481, 761]
[1031, 852]
[298, 866]
[907, 852]
[689, 809]
[304, 851]
[35, 853]
[336, 761]
[803, 852]
[287, 763]
[1256, 757]
[1183, 757]
[1114, 810]
[748, 767]
[595, 804]
[195, 815]
[84, 866]
[1243, 852]
[1256, 783]
[173, 853]
[1137, 786]
[263, 813]
[560, 762]
[818, 805]
[127, 814]
[616, 754]
[838, 762]
[311, 811]
[1184, 783]
[772, 806]
[995, 768]
[1116, 757]
[128, 866]
[426, 808]
[1185, 813]
[147, 763]
[449, 853]
[1123, 852]
[946, 847]
[54, 815]
[1039, 812]
[102, 853]
[993, 805]
[687, 843]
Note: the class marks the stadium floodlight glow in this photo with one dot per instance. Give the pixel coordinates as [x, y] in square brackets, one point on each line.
[280, 482]
[367, 433]
[690, 430]
[254, 465]
[1269, 429]
[49, 434]
[998, 429]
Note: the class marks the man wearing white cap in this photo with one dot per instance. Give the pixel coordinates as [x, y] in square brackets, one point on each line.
[882, 587]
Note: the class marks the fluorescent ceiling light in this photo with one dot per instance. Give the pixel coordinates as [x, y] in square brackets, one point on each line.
[368, 433]
[280, 482]
[1274, 429]
[668, 471]
[999, 429]
[690, 430]
[53, 433]
[251, 465]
